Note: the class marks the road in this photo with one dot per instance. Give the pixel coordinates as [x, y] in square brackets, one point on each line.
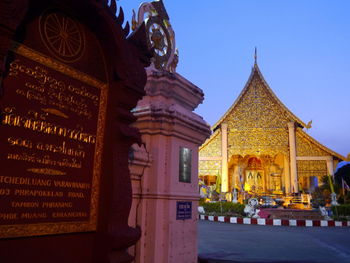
[222, 242]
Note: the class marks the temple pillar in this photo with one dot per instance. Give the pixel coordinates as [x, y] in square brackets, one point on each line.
[267, 178]
[235, 177]
[330, 166]
[224, 169]
[286, 175]
[239, 175]
[293, 157]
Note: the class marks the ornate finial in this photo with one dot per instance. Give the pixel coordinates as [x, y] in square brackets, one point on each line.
[309, 125]
[161, 36]
[133, 21]
[255, 55]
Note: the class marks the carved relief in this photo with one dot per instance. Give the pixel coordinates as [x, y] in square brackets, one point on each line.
[257, 125]
[258, 141]
[312, 168]
[257, 109]
[212, 148]
[63, 36]
[209, 167]
[306, 147]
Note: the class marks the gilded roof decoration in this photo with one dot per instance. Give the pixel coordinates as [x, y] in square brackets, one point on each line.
[258, 141]
[254, 164]
[308, 146]
[209, 167]
[312, 168]
[257, 125]
[257, 84]
[257, 109]
[212, 146]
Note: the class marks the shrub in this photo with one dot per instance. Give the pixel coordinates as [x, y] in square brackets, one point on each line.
[201, 202]
[347, 198]
[227, 208]
[318, 198]
[344, 199]
[343, 210]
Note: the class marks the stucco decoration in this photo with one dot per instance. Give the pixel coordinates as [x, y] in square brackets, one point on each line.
[257, 124]
[308, 168]
[307, 147]
[209, 167]
[212, 147]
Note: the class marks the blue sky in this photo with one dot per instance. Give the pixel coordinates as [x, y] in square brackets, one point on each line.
[303, 53]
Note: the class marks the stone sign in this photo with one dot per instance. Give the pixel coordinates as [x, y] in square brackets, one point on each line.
[51, 136]
[70, 74]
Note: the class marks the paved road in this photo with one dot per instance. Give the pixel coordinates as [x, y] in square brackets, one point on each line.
[222, 242]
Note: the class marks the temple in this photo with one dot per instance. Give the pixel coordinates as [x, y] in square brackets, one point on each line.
[259, 146]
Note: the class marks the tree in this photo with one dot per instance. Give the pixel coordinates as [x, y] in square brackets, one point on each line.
[343, 173]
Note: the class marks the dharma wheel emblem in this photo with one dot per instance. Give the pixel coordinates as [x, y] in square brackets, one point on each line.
[159, 39]
[161, 36]
[63, 37]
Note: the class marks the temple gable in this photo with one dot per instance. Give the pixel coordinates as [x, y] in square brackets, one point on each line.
[257, 109]
[257, 123]
[306, 147]
[259, 129]
[212, 147]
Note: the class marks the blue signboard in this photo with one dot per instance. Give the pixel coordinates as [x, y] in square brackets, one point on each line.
[183, 210]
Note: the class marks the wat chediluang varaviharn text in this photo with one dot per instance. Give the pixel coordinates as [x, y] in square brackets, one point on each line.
[51, 143]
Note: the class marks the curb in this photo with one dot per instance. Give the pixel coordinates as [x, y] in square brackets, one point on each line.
[275, 222]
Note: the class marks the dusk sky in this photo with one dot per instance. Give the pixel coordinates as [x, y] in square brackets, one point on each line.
[303, 53]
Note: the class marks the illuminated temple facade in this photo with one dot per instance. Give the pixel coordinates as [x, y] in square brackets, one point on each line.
[260, 146]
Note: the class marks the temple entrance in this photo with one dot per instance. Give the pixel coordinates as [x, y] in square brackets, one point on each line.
[276, 182]
[259, 174]
[254, 176]
[254, 181]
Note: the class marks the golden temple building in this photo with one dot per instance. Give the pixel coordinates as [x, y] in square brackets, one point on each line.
[260, 146]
